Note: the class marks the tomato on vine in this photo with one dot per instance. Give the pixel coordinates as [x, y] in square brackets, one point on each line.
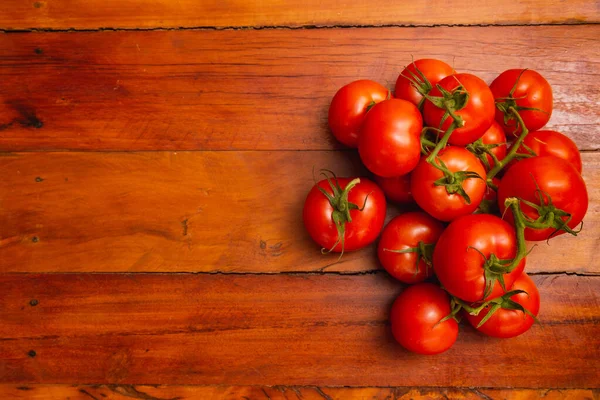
[343, 214]
[419, 77]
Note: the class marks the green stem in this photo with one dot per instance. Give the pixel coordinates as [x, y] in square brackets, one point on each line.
[513, 150]
[520, 225]
[441, 144]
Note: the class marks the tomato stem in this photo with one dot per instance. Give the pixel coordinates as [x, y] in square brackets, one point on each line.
[441, 144]
[520, 225]
[513, 150]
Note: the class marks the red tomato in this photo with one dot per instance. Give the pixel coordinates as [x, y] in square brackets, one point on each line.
[404, 232]
[489, 204]
[507, 323]
[531, 90]
[389, 143]
[435, 199]
[458, 258]
[416, 316]
[396, 189]
[552, 143]
[425, 74]
[555, 177]
[349, 107]
[319, 214]
[495, 135]
[476, 110]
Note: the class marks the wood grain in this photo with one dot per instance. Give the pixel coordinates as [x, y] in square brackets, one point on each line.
[255, 89]
[145, 392]
[81, 14]
[272, 329]
[198, 211]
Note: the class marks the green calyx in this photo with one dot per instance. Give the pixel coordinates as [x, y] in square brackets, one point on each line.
[453, 181]
[341, 206]
[420, 82]
[482, 151]
[424, 252]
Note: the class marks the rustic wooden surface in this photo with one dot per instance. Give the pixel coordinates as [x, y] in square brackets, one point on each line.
[91, 14]
[199, 212]
[145, 392]
[262, 330]
[212, 90]
[151, 245]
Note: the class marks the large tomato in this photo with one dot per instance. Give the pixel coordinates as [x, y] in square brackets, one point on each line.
[552, 143]
[552, 184]
[509, 322]
[419, 78]
[415, 233]
[326, 217]
[396, 189]
[389, 143]
[476, 108]
[416, 316]
[528, 92]
[349, 107]
[464, 248]
[435, 199]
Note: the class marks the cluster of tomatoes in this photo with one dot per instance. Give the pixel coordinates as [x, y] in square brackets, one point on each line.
[486, 178]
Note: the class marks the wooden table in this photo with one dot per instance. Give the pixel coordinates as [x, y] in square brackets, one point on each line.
[155, 157]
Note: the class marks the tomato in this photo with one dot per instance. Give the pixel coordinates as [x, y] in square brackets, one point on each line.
[349, 107]
[396, 189]
[435, 199]
[416, 316]
[489, 204]
[458, 257]
[495, 136]
[529, 90]
[558, 180]
[407, 231]
[476, 109]
[319, 214]
[507, 323]
[552, 143]
[425, 73]
[389, 143]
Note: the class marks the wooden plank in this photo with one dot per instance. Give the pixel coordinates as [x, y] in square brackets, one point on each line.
[198, 211]
[126, 392]
[256, 89]
[268, 329]
[81, 14]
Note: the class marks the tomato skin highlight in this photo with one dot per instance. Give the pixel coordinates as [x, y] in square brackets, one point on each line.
[415, 319]
[389, 144]
[396, 189]
[459, 265]
[477, 114]
[365, 226]
[532, 90]
[435, 199]
[554, 176]
[553, 143]
[403, 232]
[349, 107]
[434, 70]
[510, 323]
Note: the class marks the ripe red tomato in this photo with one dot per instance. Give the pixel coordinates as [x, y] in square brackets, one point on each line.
[557, 179]
[507, 323]
[435, 199]
[396, 189]
[319, 214]
[404, 232]
[425, 73]
[416, 316]
[495, 135]
[389, 143]
[531, 90]
[458, 258]
[552, 143]
[476, 109]
[349, 107]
